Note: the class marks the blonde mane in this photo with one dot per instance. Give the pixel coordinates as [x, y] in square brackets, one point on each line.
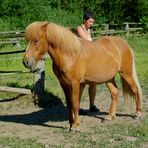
[63, 38]
[59, 36]
[32, 30]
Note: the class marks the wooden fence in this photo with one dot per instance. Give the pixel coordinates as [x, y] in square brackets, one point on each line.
[38, 81]
[13, 37]
[113, 29]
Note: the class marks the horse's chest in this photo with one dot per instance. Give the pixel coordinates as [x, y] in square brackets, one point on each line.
[60, 74]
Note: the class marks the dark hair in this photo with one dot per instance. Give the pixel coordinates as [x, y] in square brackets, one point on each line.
[87, 15]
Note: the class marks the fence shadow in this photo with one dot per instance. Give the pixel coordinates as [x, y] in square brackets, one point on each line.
[39, 117]
[11, 99]
[51, 109]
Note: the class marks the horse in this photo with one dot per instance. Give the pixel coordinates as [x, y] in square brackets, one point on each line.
[77, 62]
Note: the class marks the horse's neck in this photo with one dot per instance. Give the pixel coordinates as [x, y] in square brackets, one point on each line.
[61, 59]
[61, 50]
[60, 37]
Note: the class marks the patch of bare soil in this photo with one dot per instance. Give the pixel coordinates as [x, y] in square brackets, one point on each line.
[21, 118]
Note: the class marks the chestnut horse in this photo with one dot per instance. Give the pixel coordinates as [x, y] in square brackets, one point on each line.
[77, 62]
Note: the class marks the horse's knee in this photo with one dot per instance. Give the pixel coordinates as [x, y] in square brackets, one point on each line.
[113, 89]
[115, 93]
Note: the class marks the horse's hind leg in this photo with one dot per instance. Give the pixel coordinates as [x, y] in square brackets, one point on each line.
[114, 95]
[135, 90]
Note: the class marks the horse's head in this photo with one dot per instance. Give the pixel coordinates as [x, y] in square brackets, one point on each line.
[37, 44]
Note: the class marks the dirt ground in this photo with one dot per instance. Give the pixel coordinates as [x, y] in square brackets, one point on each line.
[20, 117]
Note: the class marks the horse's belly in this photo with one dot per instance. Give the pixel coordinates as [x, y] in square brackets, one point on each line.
[100, 78]
[101, 73]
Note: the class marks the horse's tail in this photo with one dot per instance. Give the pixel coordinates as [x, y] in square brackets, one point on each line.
[128, 94]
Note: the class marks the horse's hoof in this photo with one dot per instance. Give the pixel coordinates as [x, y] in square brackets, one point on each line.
[74, 129]
[138, 116]
[109, 117]
[67, 130]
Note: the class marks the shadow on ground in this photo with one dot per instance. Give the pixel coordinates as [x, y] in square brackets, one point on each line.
[54, 110]
[101, 115]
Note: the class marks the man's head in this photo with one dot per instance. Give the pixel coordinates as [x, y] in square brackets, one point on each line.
[89, 19]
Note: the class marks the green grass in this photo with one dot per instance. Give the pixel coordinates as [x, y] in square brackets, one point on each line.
[15, 142]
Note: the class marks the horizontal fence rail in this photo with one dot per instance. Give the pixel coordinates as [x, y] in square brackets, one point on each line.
[12, 52]
[15, 90]
[38, 81]
[11, 37]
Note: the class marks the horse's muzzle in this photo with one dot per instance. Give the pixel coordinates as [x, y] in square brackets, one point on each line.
[28, 63]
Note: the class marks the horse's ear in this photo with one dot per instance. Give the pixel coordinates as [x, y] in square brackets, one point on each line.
[44, 27]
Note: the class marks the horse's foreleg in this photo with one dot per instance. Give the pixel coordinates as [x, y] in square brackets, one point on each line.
[114, 95]
[67, 91]
[75, 86]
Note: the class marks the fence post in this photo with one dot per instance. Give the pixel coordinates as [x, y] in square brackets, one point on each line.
[106, 28]
[127, 28]
[39, 79]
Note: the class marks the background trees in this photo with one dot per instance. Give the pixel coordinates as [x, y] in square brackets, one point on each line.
[17, 14]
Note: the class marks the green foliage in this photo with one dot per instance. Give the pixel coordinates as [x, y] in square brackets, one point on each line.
[20, 13]
[17, 8]
[112, 10]
[16, 14]
[134, 10]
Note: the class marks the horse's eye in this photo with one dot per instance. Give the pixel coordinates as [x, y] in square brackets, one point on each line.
[36, 41]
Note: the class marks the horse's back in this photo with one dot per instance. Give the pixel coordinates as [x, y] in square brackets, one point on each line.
[114, 44]
[118, 48]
